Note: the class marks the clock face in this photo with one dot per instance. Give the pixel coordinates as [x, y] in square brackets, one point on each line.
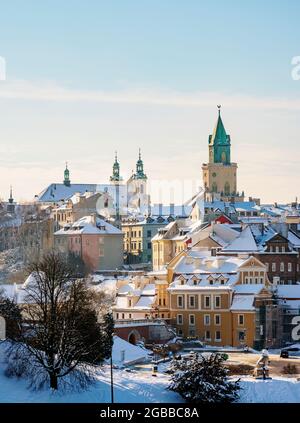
[214, 174]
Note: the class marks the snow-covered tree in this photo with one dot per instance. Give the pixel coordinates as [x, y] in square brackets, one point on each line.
[12, 315]
[63, 335]
[203, 379]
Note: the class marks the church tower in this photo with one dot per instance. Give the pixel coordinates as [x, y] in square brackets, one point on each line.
[116, 171]
[137, 187]
[67, 181]
[220, 174]
[11, 204]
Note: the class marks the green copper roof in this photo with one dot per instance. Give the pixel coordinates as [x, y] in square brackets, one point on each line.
[116, 170]
[67, 181]
[140, 168]
[219, 135]
[219, 143]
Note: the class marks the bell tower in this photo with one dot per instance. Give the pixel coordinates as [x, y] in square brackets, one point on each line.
[220, 174]
[67, 181]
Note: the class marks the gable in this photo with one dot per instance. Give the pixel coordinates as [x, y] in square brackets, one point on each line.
[277, 239]
[251, 262]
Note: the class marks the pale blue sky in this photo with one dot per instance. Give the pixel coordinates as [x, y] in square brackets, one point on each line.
[86, 78]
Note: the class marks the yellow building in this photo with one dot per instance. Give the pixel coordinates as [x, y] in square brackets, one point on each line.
[218, 299]
[171, 241]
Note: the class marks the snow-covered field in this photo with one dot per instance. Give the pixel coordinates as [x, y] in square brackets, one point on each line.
[140, 386]
[277, 390]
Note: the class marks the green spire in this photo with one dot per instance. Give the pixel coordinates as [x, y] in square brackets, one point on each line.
[140, 168]
[67, 181]
[219, 142]
[116, 170]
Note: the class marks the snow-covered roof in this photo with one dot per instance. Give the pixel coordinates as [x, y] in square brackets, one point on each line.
[288, 291]
[294, 239]
[55, 193]
[196, 262]
[125, 353]
[243, 303]
[86, 225]
[145, 301]
[248, 288]
[245, 242]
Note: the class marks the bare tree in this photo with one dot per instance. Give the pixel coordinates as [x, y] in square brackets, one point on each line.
[63, 332]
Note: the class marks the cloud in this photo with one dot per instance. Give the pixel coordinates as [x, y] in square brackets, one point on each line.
[51, 91]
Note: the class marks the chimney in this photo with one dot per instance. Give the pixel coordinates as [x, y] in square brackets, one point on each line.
[93, 219]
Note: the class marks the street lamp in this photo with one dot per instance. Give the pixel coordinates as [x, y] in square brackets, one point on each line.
[111, 379]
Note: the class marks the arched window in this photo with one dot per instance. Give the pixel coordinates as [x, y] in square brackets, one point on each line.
[227, 188]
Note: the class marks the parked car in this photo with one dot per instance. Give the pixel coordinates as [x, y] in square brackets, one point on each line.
[290, 351]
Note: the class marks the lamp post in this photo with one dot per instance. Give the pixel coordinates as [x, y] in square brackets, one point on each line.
[111, 379]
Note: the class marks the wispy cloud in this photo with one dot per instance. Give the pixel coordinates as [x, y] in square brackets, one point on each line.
[50, 91]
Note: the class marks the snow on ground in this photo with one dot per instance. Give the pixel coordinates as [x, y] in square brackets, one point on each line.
[138, 385]
[277, 390]
[129, 387]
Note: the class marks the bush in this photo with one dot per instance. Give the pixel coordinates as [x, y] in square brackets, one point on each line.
[203, 379]
[240, 369]
[290, 369]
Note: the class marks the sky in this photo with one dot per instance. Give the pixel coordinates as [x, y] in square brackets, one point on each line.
[84, 79]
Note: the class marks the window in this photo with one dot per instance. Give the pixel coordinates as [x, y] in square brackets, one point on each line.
[129, 315]
[273, 267]
[148, 234]
[290, 267]
[217, 319]
[117, 315]
[283, 249]
[129, 303]
[192, 320]
[179, 319]
[206, 319]
[207, 335]
[192, 301]
[217, 301]
[267, 266]
[241, 335]
[159, 302]
[164, 301]
[180, 301]
[241, 320]
[282, 266]
[149, 245]
[277, 249]
[207, 302]
[217, 336]
[123, 316]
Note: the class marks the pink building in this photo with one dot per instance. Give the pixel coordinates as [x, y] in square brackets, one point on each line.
[97, 242]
